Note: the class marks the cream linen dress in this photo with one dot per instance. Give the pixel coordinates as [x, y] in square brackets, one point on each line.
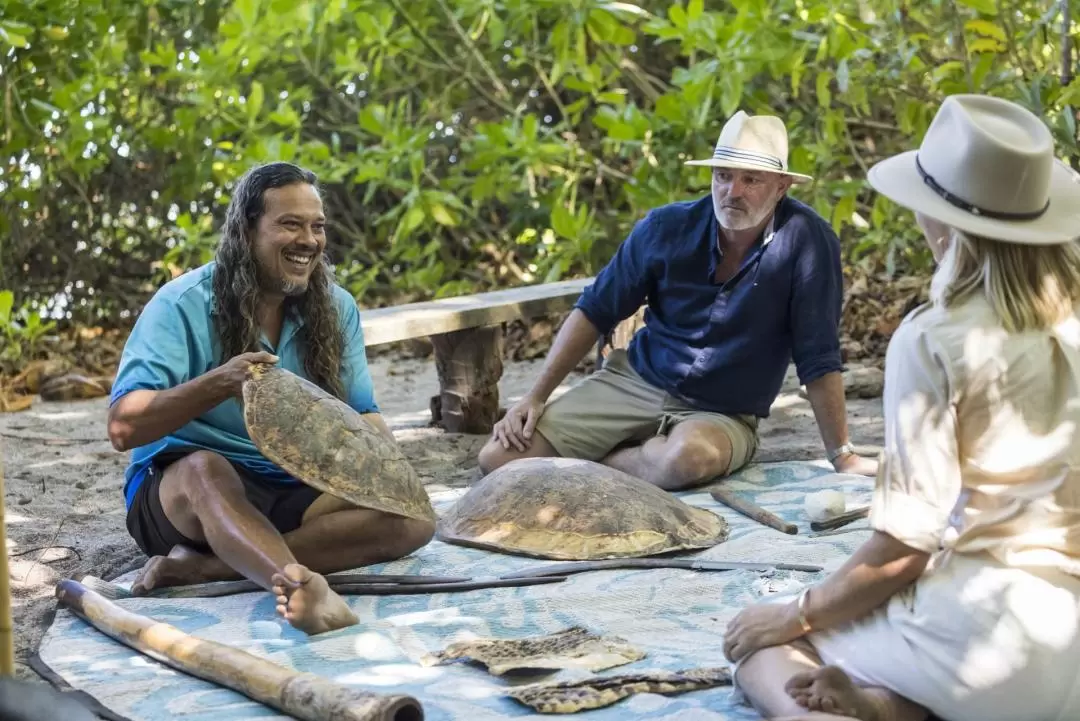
[981, 468]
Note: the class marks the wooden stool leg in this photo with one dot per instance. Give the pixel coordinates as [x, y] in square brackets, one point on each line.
[620, 335]
[469, 364]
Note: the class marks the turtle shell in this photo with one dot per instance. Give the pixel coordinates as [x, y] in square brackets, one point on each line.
[572, 509]
[323, 442]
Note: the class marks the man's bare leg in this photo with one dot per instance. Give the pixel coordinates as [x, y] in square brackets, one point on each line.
[493, 455]
[334, 536]
[204, 499]
[791, 682]
[692, 453]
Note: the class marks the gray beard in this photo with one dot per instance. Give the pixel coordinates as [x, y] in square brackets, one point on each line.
[734, 220]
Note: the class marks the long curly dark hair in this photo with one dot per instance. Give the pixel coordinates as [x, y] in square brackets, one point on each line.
[237, 282]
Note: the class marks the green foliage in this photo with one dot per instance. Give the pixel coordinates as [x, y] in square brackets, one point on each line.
[463, 145]
[22, 331]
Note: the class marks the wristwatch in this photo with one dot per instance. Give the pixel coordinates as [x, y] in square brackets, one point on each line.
[837, 452]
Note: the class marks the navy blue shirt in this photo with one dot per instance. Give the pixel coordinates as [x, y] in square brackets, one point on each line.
[724, 347]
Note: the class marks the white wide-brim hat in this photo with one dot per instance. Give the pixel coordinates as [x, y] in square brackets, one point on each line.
[986, 166]
[753, 142]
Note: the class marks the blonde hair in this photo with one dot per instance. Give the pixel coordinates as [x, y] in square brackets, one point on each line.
[1028, 286]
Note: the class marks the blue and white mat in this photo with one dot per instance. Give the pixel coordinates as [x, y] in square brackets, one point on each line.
[676, 616]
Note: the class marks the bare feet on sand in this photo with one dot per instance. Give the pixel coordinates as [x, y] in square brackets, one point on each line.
[305, 600]
[183, 566]
[829, 690]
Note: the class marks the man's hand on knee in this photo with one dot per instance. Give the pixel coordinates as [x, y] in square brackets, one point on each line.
[517, 426]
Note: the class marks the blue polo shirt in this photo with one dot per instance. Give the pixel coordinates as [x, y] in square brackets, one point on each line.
[173, 341]
[724, 347]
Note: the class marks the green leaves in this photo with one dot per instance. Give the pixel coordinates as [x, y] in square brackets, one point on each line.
[255, 101]
[604, 27]
[7, 302]
[462, 144]
[15, 34]
[986, 7]
[625, 124]
[986, 29]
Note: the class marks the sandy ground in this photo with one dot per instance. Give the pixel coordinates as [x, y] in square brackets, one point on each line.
[63, 480]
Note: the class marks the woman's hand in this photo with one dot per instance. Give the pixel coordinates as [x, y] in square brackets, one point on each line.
[760, 626]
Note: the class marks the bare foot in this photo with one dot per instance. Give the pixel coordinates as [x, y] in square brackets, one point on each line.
[305, 600]
[828, 689]
[183, 566]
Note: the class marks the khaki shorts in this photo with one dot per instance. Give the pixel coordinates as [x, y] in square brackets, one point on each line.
[615, 405]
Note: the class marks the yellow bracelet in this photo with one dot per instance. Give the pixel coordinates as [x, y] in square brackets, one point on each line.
[803, 601]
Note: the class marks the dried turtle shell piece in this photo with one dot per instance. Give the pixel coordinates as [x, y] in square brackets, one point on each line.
[570, 509]
[323, 442]
[574, 696]
[570, 648]
[73, 387]
[38, 372]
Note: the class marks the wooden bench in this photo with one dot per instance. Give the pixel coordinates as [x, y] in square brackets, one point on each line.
[467, 335]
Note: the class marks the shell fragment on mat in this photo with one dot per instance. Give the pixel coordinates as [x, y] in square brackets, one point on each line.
[575, 510]
[593, 693]
[825, 504]
[570, 648]
[324, 443]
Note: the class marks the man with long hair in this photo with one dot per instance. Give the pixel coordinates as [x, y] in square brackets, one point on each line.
[202, 502]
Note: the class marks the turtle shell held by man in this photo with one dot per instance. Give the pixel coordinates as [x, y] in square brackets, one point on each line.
[571, 509]
[323, 442]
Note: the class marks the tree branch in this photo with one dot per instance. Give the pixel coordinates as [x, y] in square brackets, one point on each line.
[422, 37]
[1066, 45]
[474, 50]
[959, 30]
[550, 89]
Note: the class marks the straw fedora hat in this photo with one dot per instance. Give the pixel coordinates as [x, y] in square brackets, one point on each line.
[753, 142]
[986, 166]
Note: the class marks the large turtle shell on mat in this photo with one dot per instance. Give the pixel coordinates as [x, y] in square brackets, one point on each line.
[323, 442]
[571, 509]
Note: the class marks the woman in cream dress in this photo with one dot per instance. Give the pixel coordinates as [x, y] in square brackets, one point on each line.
[965, 602]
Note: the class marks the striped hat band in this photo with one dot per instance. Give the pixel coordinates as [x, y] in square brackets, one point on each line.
[748, 157]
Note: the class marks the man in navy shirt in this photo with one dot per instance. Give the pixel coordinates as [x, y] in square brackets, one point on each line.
[202, 501]
[737, 284]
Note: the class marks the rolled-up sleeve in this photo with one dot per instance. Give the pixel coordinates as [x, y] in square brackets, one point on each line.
[817, 300]
[157, 353]
[919, 475]
[622, 286]
[359, 387]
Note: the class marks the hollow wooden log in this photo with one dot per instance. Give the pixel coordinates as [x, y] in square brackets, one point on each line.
[469, 364]
[7, 641]
[302, 695]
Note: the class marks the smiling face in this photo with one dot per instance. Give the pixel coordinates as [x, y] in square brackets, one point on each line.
[743, 199]
[289, 238]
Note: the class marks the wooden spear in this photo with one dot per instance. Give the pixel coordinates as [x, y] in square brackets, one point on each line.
[305, 696]
[7, 641]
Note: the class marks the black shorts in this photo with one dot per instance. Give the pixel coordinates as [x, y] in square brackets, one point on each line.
[283, 504]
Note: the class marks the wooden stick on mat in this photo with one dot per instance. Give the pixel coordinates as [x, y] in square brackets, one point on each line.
[7, 642]
[841, 519]
[305, 696]
[754, 511]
